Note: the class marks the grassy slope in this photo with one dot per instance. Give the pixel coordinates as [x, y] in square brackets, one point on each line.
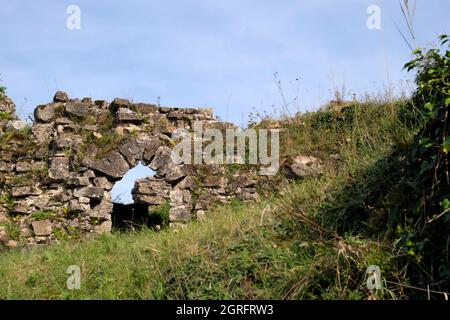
[305, 244]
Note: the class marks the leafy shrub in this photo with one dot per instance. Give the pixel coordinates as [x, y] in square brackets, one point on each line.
[425, 228]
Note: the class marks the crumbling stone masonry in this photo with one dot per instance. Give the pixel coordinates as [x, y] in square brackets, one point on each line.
[56, 175]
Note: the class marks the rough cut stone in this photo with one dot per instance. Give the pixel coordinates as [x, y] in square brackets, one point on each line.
[59, 168]
[126, 129]
[150, 200]
[12, 244]
[103, 183]
[5, 155]
[20, 208]
[186, 183]
[6, 166]
[200, 215]
[84, 200]
[151, 186]
[78, 181]
[176, 197]
[23, 191]
[151, 191]
[42, 228]
[78, 109]
[178, 172]
[45, 113]
[113, 165]
[89, 174]
[242, 181]
[104, 227]
[103, 210]
[6, 104]
[161, 158]
[180, 214]
[60, 96]
[42, 132]
[127, 115]
[131, 150]
[119, 103]
[16, 125]
[302, 166]
[62, 195]
[144, 108]
[214, 181]
[89, 192]
[23, 166]
[77, 207]
[63, 121]
[61, 144]
[150, 148]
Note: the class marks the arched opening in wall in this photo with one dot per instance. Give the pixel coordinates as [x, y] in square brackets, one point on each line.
[127, 214]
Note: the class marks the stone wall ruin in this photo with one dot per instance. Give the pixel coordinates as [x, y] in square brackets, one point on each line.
[56, 175]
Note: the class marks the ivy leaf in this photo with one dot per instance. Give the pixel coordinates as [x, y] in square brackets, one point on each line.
[446, 145]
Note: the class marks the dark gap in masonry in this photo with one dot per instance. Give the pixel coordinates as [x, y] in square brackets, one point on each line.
[131, 216]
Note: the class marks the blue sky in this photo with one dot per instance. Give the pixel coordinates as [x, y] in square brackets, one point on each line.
[216, 53]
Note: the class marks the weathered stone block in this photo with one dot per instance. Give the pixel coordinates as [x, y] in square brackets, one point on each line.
[42, 228]
[144, 108]
[5, 155]
[77, 207]
[78, 181]
[178, 172]
[42, 132]
[103, 183]
[176, 197]
[127, 115]
[126, 129]
[63, 121]
[161, 158]
[61, 144]
[131, 150]
[23, 166]
[119, 103]
[60, 96]
[16, 125]
[47, 112]
[20, 208]
[151, 186]
[187, 183]
[77, 109]
[214, 181]
[89, 192]
[113, 165]
[104, 227]
[23, 191]
[59, 168]
[6, 166]
[150, 148]
[180, 214]
[302, 166]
